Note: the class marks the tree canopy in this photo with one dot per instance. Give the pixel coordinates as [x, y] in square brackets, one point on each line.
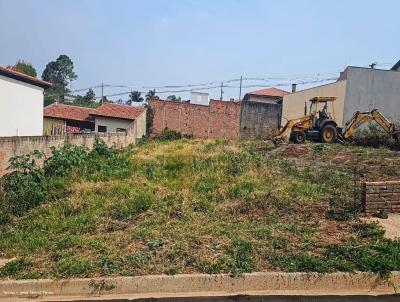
[134, 97]
[24, 67]
[174, 98]
[151, 95]
[61, 73]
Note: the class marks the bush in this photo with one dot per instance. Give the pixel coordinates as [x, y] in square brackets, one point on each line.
[374, 136]
[28, 185]
[170, 135]
[24, 188]
[62, 160]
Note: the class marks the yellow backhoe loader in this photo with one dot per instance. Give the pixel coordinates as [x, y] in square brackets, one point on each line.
[320, 125]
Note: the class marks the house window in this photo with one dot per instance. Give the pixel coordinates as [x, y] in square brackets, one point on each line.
[101, 128]
[121, 130]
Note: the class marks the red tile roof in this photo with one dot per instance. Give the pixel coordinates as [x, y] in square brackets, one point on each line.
[67, 112]
[118, 111]
[24, 78]
[271, 92]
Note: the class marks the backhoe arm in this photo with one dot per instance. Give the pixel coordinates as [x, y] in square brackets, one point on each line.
[360, 118]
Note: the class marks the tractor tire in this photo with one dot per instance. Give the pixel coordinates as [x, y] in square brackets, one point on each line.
[328, 134]
[298, 137]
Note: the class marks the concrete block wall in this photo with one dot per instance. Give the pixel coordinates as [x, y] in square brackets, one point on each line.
[20, 145]
[259, 120]
[377, 196]
[218, 120]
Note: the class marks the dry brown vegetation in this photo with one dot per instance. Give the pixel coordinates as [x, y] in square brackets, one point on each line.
[187, 206]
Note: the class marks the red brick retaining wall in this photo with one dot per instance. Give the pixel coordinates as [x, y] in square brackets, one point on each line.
[218, 120]
[377, 196]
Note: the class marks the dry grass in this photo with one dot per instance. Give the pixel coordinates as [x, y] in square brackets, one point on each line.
[199, 206]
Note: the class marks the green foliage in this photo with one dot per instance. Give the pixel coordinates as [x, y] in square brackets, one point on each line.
[129, 208]
[241, 256]
[28, 185]
[24, 67]
[151, 95]
[74, 266]
[174, 98]
[134, 97]
[169, 135]
[13, 268]
[186, 206]
[60, 73]
[149, 118]
[24, 188]
[374, 136]
[64, 159]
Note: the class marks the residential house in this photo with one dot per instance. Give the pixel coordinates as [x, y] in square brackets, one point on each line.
[357, 89]
[21, 103]
[61, 118]
[118, 118]
[269, 95]
[261, 112]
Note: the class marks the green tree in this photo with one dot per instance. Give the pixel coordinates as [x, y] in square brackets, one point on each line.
[90, 95]
[174, 98]
[61, 73]
[24, 67]
[151, 95]
[134, 97]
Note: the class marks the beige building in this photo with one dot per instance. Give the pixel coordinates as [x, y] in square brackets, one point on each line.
[295, 103]
[357, 89]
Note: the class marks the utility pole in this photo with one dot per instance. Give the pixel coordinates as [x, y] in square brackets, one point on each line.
[240, 89]
[102, 94]
[222, 91]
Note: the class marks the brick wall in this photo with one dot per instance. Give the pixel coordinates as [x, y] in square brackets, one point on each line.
[19, 145]
[218, 120]
[378, 196]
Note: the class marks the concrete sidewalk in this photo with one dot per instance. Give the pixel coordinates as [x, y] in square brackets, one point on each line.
[247, 287]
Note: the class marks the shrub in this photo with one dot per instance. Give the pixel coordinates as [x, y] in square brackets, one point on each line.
[24, 188]
[170, 135]
[28, 185]
[374, 136]
[62, 160]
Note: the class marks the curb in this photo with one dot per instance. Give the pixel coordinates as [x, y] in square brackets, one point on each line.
[271, 283]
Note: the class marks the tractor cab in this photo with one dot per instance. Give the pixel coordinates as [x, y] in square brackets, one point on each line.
[320, 108]
[317, 124]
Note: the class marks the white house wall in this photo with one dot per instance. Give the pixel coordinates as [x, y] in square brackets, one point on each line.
[111, 123]
[21, 108]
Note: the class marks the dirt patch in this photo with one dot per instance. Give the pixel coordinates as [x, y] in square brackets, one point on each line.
[4, 261]
[296, 151]
[391, 225]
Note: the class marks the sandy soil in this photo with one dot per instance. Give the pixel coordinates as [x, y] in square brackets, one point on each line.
[391, 225]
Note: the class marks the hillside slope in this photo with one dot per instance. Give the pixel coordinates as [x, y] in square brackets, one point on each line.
[188, 206]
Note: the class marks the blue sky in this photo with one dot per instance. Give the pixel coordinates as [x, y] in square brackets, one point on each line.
[177, 42]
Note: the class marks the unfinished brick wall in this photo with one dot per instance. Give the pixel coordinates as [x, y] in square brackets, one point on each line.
[377, 196]
[218, 120]
[20, 145]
